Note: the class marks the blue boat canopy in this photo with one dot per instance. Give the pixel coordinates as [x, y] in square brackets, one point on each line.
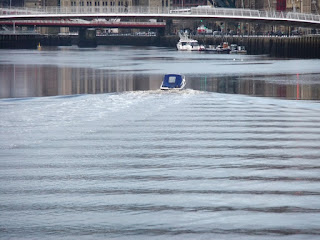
[172, 80]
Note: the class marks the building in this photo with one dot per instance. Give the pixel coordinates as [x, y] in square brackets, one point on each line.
[41, 3]
[11, 3]
[189, 3]
[96, 3]
[304, 6]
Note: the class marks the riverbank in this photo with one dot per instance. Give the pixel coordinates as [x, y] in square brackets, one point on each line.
[31, 41]
[287, 47]
[283, 47]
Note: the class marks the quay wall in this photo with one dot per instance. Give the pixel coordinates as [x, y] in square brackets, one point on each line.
[282, 47]
[31, 41]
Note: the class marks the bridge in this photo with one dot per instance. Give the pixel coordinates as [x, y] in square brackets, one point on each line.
[97, 23]
[20, 15]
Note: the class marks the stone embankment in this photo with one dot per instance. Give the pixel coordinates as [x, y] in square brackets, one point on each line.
[31, 41]
[283, 47]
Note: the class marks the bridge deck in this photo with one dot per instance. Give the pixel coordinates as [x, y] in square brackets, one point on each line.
[70, 23]
[238, 14]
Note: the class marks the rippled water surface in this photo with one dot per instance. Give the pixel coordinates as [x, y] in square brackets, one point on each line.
[147, 164]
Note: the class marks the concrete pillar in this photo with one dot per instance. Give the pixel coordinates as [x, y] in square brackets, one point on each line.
[87, 37]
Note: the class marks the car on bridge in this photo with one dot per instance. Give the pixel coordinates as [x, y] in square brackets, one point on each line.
[204, 30]
[217, 33]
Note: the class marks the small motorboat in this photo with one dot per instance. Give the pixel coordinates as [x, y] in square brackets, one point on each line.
[173, 81]
[235, 49]
[222, 48]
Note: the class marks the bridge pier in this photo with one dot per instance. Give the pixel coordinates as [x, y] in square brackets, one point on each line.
[168, 28]
[161, 32]
[87, 37]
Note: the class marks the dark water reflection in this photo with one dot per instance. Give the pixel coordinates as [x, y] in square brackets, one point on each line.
[18, 81]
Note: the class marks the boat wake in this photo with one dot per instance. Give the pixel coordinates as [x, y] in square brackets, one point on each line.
[187, 91]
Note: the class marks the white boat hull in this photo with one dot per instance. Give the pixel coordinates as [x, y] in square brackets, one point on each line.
[188, 48]
[179, 88]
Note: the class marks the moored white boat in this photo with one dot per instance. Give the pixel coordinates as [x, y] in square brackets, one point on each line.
[187, 44]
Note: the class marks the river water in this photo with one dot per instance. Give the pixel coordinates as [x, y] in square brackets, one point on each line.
[91, 149]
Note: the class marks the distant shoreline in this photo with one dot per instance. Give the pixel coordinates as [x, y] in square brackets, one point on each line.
[283, 47]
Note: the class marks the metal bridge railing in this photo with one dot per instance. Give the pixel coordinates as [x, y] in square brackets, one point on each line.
[239, 12]
[83, 10]
[83, 22]
[208, 11]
